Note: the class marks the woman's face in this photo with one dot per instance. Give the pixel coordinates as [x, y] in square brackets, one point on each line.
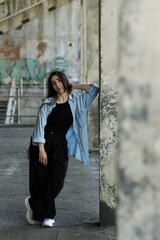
[57, 84]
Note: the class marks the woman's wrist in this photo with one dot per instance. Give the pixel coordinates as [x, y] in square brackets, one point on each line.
[76, 86]
[81, 86]
[41, 146]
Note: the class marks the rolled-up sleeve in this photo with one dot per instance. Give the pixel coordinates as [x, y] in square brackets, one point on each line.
[88, 96]
[77, 135]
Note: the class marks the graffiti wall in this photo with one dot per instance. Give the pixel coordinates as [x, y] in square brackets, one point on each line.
[41, 46]
[29, 69]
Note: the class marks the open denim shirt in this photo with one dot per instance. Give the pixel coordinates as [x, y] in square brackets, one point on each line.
[77, 135]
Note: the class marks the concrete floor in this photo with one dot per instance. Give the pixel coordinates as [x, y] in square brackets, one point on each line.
[77, 205]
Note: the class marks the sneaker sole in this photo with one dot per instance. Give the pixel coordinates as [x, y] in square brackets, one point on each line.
[28, 217]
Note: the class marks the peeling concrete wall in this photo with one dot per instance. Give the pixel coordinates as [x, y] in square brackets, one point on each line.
[43, 44]
[109, 18]
[90, 61]
[138, 215]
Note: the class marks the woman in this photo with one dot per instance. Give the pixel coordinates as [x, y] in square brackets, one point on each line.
[60, 131]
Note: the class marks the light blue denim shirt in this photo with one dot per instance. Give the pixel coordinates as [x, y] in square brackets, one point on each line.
[77, 135]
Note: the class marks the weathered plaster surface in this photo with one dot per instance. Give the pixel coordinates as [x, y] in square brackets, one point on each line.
[90, 61]
[108, 152]
[109, 17]
[43, 44]
[139, 163]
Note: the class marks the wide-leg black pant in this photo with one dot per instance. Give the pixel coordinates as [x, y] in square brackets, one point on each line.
[46, 182]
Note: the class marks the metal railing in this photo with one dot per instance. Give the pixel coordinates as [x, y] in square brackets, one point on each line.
[22, 102]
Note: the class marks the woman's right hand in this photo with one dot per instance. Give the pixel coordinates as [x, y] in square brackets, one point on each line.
[42, 154]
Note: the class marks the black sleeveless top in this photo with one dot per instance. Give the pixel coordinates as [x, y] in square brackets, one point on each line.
[60, 119]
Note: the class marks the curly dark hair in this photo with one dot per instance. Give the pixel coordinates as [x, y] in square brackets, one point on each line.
[66, 84]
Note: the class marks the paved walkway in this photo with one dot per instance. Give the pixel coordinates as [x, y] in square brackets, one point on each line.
[77, 205]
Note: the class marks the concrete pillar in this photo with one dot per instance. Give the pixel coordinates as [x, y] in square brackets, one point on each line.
[138, 215]
[90, 61]
[109, 17]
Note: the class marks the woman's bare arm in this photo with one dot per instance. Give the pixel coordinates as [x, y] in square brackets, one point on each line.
[78, 86]
[42, 154]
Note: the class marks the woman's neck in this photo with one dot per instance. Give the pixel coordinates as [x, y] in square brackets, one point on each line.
[61, 98]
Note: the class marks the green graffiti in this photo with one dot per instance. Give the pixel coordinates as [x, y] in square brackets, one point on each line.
[60, 64]
[36, 70]
[28, 69]
[5, 69]
[19, 70]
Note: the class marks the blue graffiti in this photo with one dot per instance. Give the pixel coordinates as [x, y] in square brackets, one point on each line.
[29, 69]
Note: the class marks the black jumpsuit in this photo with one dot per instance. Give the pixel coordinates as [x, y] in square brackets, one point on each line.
[46, 182]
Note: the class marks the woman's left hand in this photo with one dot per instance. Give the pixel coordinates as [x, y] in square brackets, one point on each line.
[42, 154]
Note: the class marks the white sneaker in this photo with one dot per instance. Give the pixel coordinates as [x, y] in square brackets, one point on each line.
[29, 213]
[48, 222]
